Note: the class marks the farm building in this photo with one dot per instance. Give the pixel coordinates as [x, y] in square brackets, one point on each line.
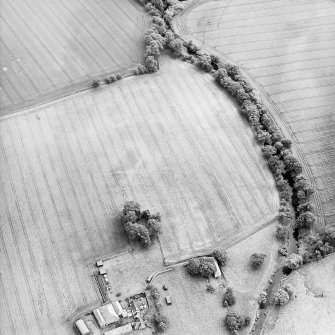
[99, 317]
[120, 330]
[117, 307]
[82, 328]
[109, 313]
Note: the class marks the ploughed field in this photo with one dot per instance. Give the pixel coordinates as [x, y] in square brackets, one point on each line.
[289, 48]
[48, 48]
[172, 141]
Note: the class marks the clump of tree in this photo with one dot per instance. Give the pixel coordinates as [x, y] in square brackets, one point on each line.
[140, 226]
[235, 322]
[256, 260]
[220, 255]
[140, 69]
[228, 298]
[201, 266]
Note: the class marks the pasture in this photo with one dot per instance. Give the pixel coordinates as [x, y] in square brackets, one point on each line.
[288, 48]
[172, 141]
[51, 48]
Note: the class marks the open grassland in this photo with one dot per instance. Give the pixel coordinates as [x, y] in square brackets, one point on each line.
[50, 47]
[289, 48]
[312, 310]
[173, 141]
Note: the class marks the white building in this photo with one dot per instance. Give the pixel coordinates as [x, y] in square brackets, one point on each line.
[82, 328]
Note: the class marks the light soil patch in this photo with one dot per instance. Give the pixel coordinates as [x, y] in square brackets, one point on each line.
[172, 141]
[51, 48]
[288, 47]
[312, 310]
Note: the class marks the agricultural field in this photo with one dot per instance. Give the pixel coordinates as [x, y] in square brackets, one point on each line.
[51, 48]
[173, 141]
[312, 309]
[288, 47]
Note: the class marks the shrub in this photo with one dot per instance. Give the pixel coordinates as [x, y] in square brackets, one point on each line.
[281, 297]
[96, 83]
[193, 266]
[206, 268]
[288, 288]
[118, 77]
[234, 321]
[247, 321]
[262, 298]
[293, 262]
[256, 260]
[268, 151]
[282, 233]
[140, 69]
[132, 206]
[107, 81]
[210, 288]
[154, 227]
[228, 298]
[316, 247]
[305, 220]
[200, 266]
[220, 255]
[161, 322]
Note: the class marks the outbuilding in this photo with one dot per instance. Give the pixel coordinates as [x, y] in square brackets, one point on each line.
[168, 300]
[99, 317]
[82, 328]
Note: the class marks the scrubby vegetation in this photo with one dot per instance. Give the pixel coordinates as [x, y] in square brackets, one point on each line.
[256, 260]
[140, 226]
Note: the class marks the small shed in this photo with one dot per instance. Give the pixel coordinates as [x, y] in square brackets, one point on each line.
[100, 263]
[102, 270]
[117, 307]
[99, 317]
[124, 314]
[120, 330]
[168, 300]
[82, 328]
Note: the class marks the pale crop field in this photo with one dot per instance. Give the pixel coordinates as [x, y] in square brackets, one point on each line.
[48, 48]
[173, 141]
[289, 48]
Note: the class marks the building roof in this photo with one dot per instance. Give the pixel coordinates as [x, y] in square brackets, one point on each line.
[99, 317]
[109, 313]
[120, 330]
[82, 328]
[117, 307]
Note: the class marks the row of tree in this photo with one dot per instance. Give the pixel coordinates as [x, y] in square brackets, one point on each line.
[159, 319]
